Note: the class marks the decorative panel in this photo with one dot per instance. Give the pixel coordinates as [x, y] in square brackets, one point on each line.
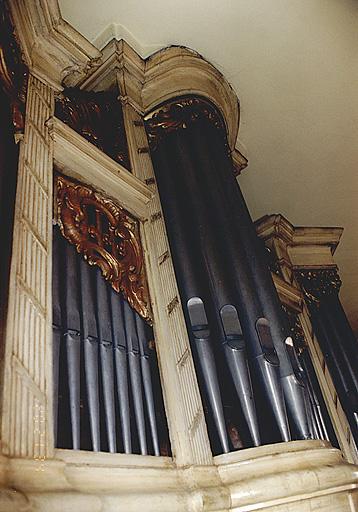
[27, 378]
[107, 236]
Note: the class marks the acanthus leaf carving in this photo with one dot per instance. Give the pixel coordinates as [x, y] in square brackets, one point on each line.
[178, 115]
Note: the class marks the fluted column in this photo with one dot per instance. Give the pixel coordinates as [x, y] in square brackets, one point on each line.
[27, 390]
[336, 338]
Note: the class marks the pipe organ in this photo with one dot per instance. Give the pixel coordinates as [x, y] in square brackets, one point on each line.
[161, 349]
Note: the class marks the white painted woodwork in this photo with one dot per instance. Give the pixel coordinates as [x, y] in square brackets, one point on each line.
[78, 158]
[26, 396]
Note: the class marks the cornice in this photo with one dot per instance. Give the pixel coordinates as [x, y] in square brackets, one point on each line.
[278, 226]
[169, 73]
[275, 226]
[59, 55]
[76, 157]
[178, 71]
[54, 51]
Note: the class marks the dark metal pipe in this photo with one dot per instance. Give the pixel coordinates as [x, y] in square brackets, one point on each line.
[231, 199]
[56, 342]
[189, 268]
[336, 362]
[91, 344]
[135, 374]
[214, 186]
[221, 288]
[147, 381]
[72, 339]
[120, 358]
[313, 386]
[104, 329]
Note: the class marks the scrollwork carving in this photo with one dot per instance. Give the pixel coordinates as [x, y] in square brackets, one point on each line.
[107, 236]
[318, 283]
[178, 115]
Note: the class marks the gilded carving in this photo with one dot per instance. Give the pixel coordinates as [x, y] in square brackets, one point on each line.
[318, 283]
[107, 236]
[98, 117]
[178, 115]
[13, 72]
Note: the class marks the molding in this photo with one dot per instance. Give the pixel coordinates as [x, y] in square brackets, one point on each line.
[295, 475]
[78, 158]
[59, 55]
[54, 51]
[311, 247]
[239, 161]
[169, 73]
[178, 71]
[288, 294]
[277, 225]
[118, 31]
[270, 226]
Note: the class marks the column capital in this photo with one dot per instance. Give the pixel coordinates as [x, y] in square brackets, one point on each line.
[179, 114]
[318, 283]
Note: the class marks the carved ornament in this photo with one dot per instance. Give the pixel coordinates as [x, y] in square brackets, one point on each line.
[179, 115]
[318, 283]
[106, 235]
[98, 117]
[13, 71]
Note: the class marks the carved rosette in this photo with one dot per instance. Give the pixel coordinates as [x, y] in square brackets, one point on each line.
[107, 236]
[13, 71]
[318, 283]
[178, 115]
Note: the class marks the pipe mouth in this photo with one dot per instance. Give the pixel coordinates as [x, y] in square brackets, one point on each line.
[295, 402]
[271, 381]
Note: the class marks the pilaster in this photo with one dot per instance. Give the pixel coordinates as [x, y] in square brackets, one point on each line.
[26, 397]
[186, 420]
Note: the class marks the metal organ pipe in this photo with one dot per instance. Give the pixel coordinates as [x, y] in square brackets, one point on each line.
[231, 256]
[189, 267]
[90, 343]
[237, 211]
[135, 374]
[120, 359]
[147, 380]
[106, 355]
[73, 339]
[218, 264]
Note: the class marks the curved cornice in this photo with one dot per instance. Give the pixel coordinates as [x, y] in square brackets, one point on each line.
[177, 71]
[169, 73]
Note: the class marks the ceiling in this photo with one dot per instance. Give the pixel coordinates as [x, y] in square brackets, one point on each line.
[294, 67]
